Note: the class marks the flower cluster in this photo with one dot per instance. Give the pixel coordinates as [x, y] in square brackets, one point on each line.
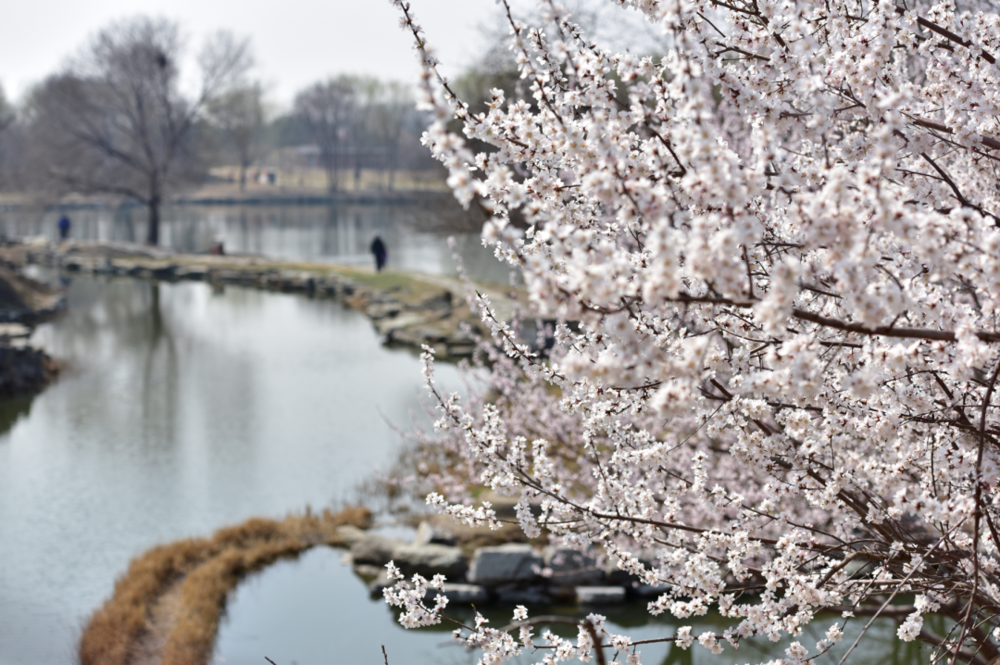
[769, 263]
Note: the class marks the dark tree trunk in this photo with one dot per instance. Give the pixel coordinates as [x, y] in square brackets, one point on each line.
[153, 234]
[331, 173]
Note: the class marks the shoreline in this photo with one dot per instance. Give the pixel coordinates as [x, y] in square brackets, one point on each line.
[166, 607]
[406, 309]
[257, 196]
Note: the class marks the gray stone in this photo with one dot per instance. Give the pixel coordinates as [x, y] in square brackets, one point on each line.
[13, 330]
[441, 302]
[615, 575]
[368, 572]
[522, 595]
[389, 325]
[511, 562]
[600, 595]
[428, 533]
[350, 534]
[460, 594]
[429, 559]
[373, 549]
[381, 582]
[571, 568]
[164, 272]
[648, 590]
[192, 272]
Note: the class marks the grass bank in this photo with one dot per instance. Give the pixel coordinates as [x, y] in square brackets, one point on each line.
[167, 606]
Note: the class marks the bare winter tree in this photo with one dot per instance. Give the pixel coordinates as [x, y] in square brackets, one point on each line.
[389, 108]
[327, 111]
[7, 139]
[239, 114]
[116, 121]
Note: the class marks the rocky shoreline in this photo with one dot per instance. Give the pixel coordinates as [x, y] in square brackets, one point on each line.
[512, 573]
[24, 370]
[406, 309]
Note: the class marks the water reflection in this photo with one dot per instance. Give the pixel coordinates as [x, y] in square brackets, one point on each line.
[339, 233]
[314, 611]
[12, 410]
[180, 412]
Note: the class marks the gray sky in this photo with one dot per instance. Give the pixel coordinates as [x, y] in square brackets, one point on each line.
[296, 42]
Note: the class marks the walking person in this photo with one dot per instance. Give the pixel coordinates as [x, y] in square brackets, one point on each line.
[64, 225]
[380, 252]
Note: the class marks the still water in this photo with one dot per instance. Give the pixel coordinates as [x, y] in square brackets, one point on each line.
[181, 411]
[314, 611]
[329, 233]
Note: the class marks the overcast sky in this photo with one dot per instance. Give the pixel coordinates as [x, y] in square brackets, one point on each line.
[296, 42]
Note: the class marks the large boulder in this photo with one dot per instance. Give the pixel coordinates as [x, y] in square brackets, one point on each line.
[428, 534]
[512, 562]
[350, 534]
[459, 594]
[373, 549]
[568, 567]
[600, 595]
[517, 594]
[429, 559]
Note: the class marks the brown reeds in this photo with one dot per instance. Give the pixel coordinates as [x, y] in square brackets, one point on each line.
[196, 575]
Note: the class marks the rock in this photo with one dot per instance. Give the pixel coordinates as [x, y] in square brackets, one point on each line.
[427, 534]
[441, 302]
[429, 560]
[460, 594]
[600, 595]
[164, 272]
[376, 585]
[374, 549]
[571, 568]
[460, 350]
[191, 272]
[390, 325]
[505, 506]
[648, 590]
[10, 331]
[297, 282]
[511, 562]
[327, 287]
[367, 572]
[383, 310]
[615, 575]
[350, 534]
[562, 593]
[520, 595]
[24, 370]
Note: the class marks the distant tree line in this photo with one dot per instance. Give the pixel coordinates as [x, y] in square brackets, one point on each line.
[116, 121]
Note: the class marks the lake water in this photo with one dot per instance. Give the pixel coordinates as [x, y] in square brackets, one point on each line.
[184, 410]
[329, 233]
[314, 611]
[181, 411]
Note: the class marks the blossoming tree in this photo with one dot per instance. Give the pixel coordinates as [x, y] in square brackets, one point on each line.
[773, 260]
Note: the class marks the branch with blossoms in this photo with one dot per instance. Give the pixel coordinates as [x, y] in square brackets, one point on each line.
[772, 259]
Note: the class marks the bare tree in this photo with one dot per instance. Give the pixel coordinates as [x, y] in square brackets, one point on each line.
[239, 114]
[389, 107]
[327, 111]
[8, 139]
[116, 122]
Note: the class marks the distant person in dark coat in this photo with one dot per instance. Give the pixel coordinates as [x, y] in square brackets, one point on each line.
[380, 252]
[64, 225]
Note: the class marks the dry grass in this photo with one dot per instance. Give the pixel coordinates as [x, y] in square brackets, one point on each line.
[204, 571]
